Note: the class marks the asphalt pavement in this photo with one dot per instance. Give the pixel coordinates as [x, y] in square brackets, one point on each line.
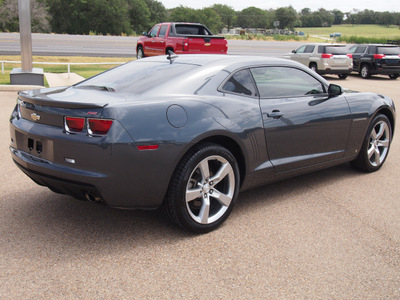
[332, 234]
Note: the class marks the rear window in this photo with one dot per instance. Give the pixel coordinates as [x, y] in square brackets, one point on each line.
[336, 50]
[191, 29]
[137, 77]
[389, 50]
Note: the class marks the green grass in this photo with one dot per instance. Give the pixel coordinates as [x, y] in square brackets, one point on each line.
[366, 31]
[85, 71]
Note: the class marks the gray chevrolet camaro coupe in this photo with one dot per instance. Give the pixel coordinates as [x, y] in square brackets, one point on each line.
[185, 133]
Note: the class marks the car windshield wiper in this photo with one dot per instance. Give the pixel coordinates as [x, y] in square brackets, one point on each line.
[101, 87]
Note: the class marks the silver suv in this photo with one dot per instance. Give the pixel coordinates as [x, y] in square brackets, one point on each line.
[324, 58]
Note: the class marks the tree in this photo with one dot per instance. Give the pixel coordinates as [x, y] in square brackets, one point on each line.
[184, 14]
[139, 16]
[338, 17]
[252, 17]
[286, 16]
[226, 13]
[9, 16]
[84, 16]
[158, 12]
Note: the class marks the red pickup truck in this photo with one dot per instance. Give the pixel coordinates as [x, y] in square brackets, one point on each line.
[180, 38]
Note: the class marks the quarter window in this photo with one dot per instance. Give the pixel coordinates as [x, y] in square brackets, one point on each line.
[277, 82]
[240, 83]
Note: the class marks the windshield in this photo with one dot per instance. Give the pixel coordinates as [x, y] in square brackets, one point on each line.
[137, 77]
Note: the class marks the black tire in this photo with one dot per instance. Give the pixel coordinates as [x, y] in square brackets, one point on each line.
[192, 199]
[365, 71]
[314, 67]
[343, 76]
[394, 76]
[376, 145]
[140, 52]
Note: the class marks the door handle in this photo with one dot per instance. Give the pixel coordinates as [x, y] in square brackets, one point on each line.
[276, 114]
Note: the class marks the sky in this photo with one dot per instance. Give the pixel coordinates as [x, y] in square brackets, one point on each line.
[342, 5]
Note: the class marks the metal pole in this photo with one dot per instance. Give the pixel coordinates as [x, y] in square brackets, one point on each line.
[24, 9]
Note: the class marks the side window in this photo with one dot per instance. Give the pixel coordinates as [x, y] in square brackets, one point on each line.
[240, 83]
[361, 49]
[301, 49]
[321, 49]
[309, 49]
[163, 31]
[277, 82]
[153, 32]
[353, 49]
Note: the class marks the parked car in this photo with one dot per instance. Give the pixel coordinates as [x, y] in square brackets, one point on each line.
[324, 58]
[186, 133]
[376, 59]
[180, 38]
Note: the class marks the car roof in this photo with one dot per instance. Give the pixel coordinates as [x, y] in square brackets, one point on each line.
[223, 60]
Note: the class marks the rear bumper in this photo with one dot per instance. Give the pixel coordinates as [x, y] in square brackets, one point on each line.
[335, 71]
[111, 171]
[385, 71]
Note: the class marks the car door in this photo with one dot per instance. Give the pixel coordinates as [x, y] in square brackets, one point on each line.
[303, 54]
[159, 41]
[357, 52]
[302, 125]
[148, 44]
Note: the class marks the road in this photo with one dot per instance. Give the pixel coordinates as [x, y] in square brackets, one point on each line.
[120, 46]
[333, 234]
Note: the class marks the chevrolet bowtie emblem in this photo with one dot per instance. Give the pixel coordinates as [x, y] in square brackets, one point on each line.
[207, 44]
[35, 117]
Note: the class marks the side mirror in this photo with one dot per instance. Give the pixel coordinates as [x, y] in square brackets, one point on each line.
[334, 90]
[144, 33]
[293, 51]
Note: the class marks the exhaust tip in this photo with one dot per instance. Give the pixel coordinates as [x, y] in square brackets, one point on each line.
[92, 198]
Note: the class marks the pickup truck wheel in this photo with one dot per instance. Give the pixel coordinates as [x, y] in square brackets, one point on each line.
[343, 76]
[140, 53]
[394, 76]
[365, 72]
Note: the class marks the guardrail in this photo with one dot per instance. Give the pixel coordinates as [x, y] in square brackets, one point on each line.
[58, 63]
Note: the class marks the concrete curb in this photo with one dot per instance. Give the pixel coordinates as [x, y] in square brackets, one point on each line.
[16, 88]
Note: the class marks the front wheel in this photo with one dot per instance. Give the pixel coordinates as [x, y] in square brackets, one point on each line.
[140, 53]
[203, 189]
[394, 76]
[375, 147]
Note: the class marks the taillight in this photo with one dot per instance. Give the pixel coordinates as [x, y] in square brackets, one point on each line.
[94, 126]
[99, 126]
[379, 56]
[73, 124]
[349, 55]
[326, 55]
[185, 45]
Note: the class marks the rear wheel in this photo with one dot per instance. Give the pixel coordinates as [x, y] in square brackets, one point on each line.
[203, 189]
[343, 76]
[376, 145]
[140, 53]
[394, 76]
[365, 71]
